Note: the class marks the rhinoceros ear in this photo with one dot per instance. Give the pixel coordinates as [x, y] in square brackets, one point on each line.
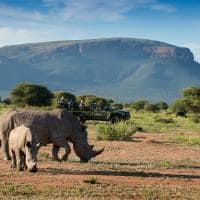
[96, 153]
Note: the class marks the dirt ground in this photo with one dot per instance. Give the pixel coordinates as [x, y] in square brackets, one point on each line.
[147, 161]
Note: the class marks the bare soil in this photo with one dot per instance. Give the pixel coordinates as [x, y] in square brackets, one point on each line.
[146, 161]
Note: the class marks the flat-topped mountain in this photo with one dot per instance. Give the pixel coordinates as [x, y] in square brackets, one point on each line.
[124, 69]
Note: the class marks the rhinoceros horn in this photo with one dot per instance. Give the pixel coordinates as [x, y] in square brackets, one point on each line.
[96, 153]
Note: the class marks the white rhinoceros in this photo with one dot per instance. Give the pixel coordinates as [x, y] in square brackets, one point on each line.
[23, 145]
[57, 127]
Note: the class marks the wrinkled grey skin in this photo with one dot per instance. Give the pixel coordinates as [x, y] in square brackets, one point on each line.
[23, 149]
[6, 125]
[57, 127]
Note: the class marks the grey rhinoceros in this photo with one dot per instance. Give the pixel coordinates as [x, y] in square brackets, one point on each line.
[57, 127]
[23, 148]
[6, 125]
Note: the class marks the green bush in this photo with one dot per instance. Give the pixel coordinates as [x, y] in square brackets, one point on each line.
[67, 95]
[118, 131]
[151, 107]
[90, 180]
[189, 102]
[139, 105]
[191, 97]
[178, 106]
[31, 94]
[7, 101]
[162, 105]
[90, 100]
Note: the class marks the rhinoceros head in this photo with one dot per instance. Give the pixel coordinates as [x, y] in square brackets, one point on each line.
[31, 149]
[85, 151]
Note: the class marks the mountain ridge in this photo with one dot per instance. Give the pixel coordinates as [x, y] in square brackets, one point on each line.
[124, 69]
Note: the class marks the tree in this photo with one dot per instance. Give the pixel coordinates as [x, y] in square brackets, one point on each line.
[179, 106]
[162, 105]
[7, 101]
[139, 105]
[151, 107]
[91, 99]
[31, 94]
[67, 95]
[191, 98]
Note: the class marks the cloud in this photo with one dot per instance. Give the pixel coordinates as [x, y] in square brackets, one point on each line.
[163, 8]
[65, 19]
[62, 11]
[8, 12]
[11, 36]
[195, 48]
[90, 10]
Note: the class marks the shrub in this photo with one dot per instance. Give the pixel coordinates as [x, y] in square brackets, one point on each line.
[139, 105]
[190, 101]
[178, 106]
[118, 131]
[31, 94]
[91, 180]
[67, 96]
[162, 105]
[7, 101]
[191, 97]
[90, 100]
[151, 107]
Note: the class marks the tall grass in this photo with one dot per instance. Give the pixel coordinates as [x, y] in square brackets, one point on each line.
[4, 107]
[164, 122]
[189, 140]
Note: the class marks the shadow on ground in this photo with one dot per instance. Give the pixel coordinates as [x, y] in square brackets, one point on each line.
[56, 171]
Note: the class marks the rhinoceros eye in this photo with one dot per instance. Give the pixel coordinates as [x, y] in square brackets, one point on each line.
[28, 144]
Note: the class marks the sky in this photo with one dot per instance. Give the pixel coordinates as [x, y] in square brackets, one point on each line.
[28, 21]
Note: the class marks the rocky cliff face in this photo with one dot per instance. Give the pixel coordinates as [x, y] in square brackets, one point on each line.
[126, 48]
[120, 68]
[181, 54]
[100, 47]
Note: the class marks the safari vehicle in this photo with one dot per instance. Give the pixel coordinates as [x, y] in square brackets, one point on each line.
[104, 114]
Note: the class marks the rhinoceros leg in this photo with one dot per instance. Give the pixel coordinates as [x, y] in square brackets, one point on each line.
[55, 151]
[57, 143]
[5, 149]
[13, 160]
[67, 152]
[19, 160]
[23, 161]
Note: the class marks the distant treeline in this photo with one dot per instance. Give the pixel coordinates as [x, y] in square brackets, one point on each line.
[25, 94]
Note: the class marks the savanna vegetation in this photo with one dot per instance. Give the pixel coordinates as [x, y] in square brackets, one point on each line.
[153, 155]
[146, 116]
